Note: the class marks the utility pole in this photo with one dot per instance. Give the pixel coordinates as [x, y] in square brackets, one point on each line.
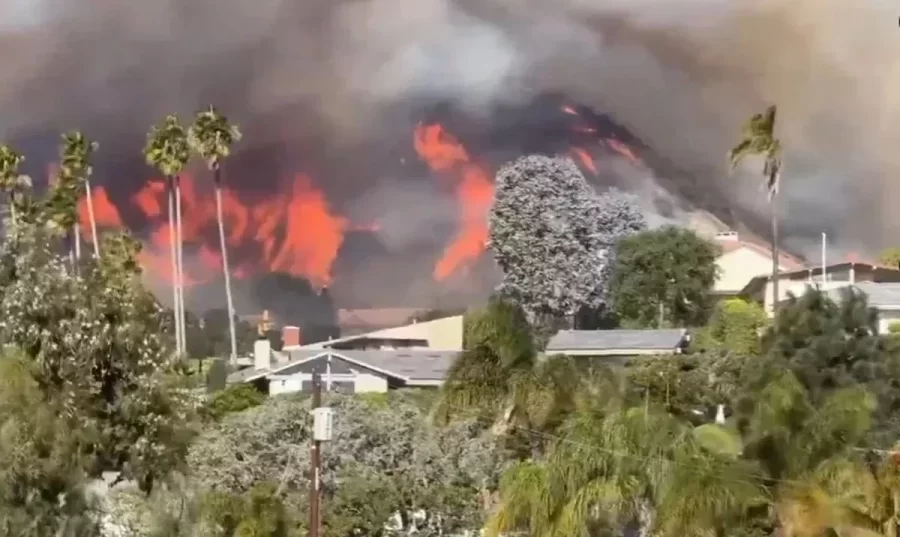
[315, 462]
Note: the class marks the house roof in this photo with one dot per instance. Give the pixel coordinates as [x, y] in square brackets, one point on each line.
[406, 365]
[617, 341]
[880, 295]
[786, 260]
[757, 284]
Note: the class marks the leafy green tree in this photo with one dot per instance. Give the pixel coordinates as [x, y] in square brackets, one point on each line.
[95, 342]
[211, 137]
[758, 140]
[663, 277]
[735, 326]
[829, 345]
[498, 376]
[636, 468]
[443, 472]
[808, 448]
[42, 467]
[236, 398]
[167, 150]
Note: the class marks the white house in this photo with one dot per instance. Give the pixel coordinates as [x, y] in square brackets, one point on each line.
[837, 276]
[883, 297]
[743, 259]
[350, 371]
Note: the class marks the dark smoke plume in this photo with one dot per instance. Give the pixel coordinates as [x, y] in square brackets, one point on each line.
[317, 84]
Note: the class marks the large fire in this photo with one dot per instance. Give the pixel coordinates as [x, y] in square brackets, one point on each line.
[296, 231]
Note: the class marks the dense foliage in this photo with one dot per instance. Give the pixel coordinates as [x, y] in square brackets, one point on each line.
[663, 278]
[552, 236]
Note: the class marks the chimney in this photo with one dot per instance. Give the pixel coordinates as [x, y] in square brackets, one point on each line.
[262, 354]
[290, 336]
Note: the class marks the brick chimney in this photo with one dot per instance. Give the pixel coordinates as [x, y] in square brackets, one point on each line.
[290, 336]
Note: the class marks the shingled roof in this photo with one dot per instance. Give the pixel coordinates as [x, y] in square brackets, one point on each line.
[616, 342]
[407, 365]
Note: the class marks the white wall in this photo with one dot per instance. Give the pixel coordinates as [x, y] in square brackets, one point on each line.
[887, 318]
[738, 267]
[363, 383]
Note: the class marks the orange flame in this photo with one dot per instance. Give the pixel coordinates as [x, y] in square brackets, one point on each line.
[473, 187]
[294, 233]
[585, 158]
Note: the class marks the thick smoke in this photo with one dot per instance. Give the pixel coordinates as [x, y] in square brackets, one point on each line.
[329, 77]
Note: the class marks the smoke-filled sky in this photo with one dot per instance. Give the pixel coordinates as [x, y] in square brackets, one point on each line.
[326, 77]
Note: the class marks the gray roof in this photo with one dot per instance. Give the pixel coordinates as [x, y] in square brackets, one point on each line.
[881, 295]
[616, 340]
[407, 364]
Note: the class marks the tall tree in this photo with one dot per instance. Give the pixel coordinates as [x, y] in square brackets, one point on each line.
[635, 468]
[664, 277]
[62, 203]
[758, 139]
[211, 137]
[11, 181]
[548, 236]
[167, 150]
[75, 162]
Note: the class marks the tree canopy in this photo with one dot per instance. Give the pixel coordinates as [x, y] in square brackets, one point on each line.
[551, 235]
[664, 277]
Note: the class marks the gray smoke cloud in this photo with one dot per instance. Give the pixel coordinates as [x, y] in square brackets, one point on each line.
[327, 77]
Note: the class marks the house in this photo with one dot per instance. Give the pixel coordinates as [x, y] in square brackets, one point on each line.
[618, 345]
[744, 258]
[349, 371]
[440, 335]
[883, 297]
[796, 282]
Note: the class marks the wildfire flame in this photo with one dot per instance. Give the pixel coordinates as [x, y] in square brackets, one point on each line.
[295, 230]
[473, 187]
[292, 232]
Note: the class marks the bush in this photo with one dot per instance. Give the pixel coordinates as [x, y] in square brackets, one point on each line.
[235, 398]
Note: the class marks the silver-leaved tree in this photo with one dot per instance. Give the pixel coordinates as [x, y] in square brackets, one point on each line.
[552, 235]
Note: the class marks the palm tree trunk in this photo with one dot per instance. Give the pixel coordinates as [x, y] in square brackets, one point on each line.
[93, 221]
[12, 214]
[217, 178]
[180, 260]
[775, 295]
[76, 236]
[175, 306]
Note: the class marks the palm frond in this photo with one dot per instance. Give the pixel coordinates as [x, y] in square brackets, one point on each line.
[10, 161]
[211, 136]
[167, 147]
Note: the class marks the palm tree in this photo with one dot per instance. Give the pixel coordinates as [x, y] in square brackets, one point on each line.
[76, 154]
[211, 137]
[758, 138]
[635, 467]
[167, 150]
[62, 204]
[809, 453]
[11, 181]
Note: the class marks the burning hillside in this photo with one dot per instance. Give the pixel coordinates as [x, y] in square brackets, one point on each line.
[296, 229]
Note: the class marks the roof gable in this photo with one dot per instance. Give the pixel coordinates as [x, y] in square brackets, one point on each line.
[405, 365]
